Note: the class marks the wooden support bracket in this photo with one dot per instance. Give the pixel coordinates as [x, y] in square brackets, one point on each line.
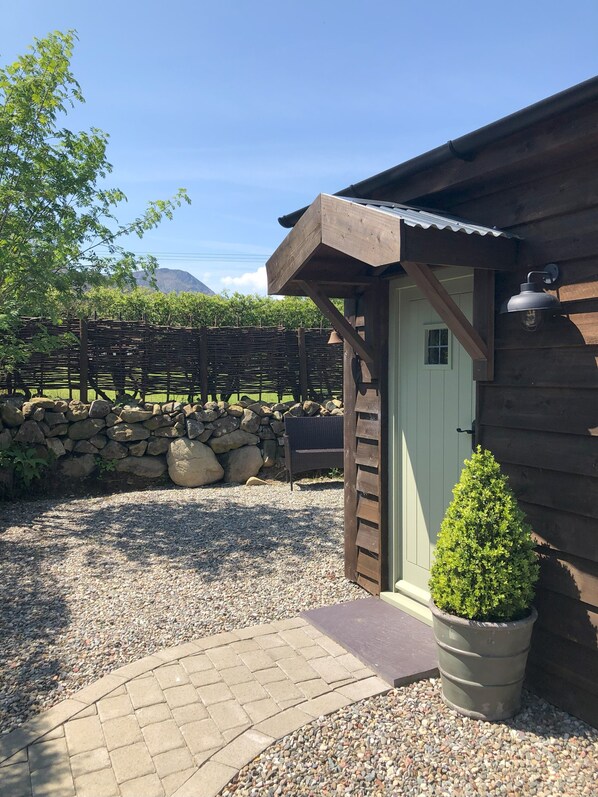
[453, 317]
[340, 323]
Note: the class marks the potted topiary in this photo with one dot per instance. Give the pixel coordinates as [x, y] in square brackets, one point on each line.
[482, 587]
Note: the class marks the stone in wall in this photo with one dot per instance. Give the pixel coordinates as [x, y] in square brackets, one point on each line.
[241, 463]
[126, 432]
[143, 467]
[192, 464]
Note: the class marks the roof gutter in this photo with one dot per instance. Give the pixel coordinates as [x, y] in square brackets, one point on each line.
[467, 146]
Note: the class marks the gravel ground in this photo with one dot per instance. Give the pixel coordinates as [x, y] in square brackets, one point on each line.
[409, 743]
[87, 585]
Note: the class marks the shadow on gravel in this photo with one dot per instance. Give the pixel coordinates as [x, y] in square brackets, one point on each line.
[33, 612]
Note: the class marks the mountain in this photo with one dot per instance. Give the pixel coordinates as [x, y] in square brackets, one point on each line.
[174, 280]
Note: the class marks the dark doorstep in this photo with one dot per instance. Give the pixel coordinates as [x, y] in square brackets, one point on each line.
[399, 648]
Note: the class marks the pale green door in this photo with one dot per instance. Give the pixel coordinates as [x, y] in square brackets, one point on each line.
[434, 396]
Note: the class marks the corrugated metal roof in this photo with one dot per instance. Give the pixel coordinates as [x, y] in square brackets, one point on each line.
[418, 217]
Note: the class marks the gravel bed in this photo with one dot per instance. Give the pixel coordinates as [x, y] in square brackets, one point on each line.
[409, 743]
[87, 585]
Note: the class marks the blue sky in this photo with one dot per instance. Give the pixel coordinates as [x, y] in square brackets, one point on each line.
[256, 107]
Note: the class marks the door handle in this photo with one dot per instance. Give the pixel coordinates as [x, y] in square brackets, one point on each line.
[464, 431]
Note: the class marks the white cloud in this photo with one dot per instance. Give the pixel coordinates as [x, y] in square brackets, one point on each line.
[250, 282]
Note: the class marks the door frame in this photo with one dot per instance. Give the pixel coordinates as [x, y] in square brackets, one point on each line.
[396, 286]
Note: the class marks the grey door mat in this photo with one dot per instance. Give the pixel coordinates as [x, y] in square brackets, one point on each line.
[399, 648]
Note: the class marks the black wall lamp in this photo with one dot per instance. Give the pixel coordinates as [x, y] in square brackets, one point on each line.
[532, 301]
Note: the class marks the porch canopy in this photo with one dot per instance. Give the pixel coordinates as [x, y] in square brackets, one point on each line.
[340, 246]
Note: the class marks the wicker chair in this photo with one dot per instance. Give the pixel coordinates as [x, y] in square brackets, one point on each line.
[313, 444]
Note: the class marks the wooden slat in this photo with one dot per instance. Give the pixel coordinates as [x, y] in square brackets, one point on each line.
[368, 400]
[350, 468]
[572, 454]
[370, 585]
[367, 481]
[367, 453]
[563, 367]
[448, 248]
[368, 565]
[560, 238]
[574, 663]
[567, 617]
[570, 331]
[368, 537]
[563, 491]
[367, 429]
[570, 576]
[369, 510]
[561, 410]
[568, 696]
[563, 531]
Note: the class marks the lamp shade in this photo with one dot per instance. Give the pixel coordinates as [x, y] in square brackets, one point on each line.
[531, 297]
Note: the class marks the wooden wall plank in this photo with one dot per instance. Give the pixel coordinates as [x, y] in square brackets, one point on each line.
[367, 453]
[567, 617]
[563, 491]
[572, 662]
[367, 429]
[368, 537]
[368, 565]
[563, 531]
[563, 693]
[350, 468]
[569, 575]
[367, 509]
[564, 367]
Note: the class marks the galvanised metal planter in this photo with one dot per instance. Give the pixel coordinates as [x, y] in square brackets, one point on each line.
[482, 665]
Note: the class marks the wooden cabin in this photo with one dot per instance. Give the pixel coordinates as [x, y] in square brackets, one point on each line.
[425, 255]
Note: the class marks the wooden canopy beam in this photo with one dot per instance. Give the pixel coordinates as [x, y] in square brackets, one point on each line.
[453, 317]
[339, 322]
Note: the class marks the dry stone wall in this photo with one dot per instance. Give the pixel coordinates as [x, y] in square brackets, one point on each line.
[195, 444]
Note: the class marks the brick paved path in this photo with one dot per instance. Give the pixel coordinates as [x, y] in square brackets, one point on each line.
[184, 721]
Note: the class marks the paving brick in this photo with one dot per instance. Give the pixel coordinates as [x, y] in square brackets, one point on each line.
[39, 726]
[88, 711]
[364, 673]
[313, 688]
[45, 754]
[139, 667]
[297, 669]
[281, 724]
[53, 781]
[111, 707]
[313, 652]
[180, 695]
[151, 714]
[283, 690]
[350, 662]
[325, 704]
[267, 676]
[248, 692]
[202, 735]
[122, 731]
[217, 641]
[58, 733]
[178, 652]
[256, 660]
[244, 645]
[289, 622]
[84, 763]
[236, 675]
[15, 781]
[99, 689]
[260, 710]
[243, 749]
[196, 663]
[366, 688]
[330, 670]
[296, 638]
[97, 784]
[83, 735]
[130, 762]
[162, 736]
[171, 675]
[207, 781]
[205, 677]
[285, 652]
[147, 786]
[312, 631]
[270, 641]
[18, 758]
[172, 782]
[255, 631]
[228, 715]
[223, 658]
[173, 761]
[145, 692]
[331, 646]
[214, 693]
[190, 713]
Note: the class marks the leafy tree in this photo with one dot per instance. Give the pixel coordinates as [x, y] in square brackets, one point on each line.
[54, 214]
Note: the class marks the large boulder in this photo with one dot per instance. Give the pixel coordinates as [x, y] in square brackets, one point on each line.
[236, 439]
[135, 414]
[144, 467]
[192, 464]
[77, 467]
[83, 430]
[240, 464]
[128, 433]
[11, 415]
[30, 433]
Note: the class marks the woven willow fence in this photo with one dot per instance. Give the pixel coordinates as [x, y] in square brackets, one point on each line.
[108, 358]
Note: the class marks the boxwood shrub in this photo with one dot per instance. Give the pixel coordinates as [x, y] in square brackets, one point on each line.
[484, 566]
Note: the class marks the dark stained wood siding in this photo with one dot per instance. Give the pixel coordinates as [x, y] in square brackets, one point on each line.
[540, 414]
[366, 531]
